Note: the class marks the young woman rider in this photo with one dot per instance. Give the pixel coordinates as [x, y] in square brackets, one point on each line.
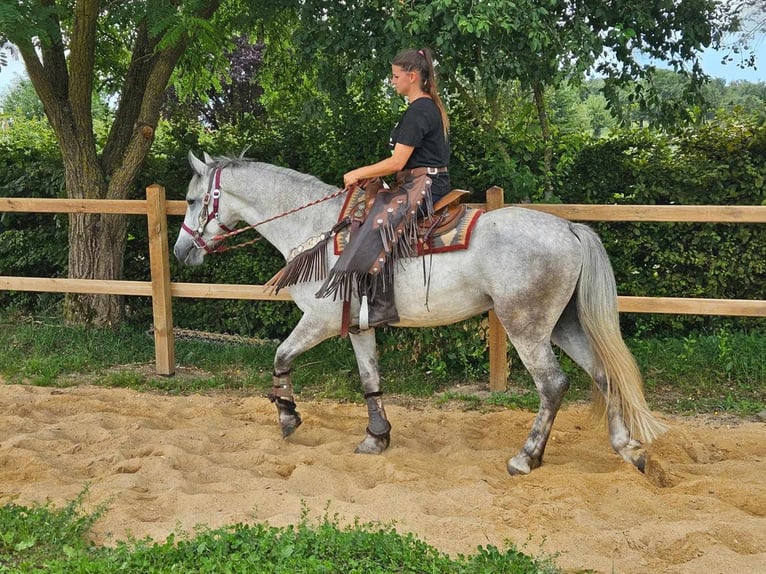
[420, 155]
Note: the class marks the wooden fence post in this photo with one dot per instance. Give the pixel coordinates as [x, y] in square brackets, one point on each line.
[159, 264]
[498, 341]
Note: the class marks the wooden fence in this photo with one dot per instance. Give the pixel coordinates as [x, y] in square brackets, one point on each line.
[162, 290]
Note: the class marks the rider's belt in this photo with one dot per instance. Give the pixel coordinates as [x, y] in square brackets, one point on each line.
[418, 171]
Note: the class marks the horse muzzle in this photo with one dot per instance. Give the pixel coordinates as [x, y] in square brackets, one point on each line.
[187, 250]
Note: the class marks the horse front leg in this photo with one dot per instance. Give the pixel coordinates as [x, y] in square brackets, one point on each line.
[307, 334]
[378, 434]
[282, 395]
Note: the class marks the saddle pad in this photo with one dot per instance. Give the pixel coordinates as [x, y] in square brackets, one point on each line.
[455, 239]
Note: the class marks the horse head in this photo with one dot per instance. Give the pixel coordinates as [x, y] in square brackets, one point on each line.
[207, 217]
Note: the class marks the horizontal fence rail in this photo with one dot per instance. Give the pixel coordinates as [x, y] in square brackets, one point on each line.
[162, 290]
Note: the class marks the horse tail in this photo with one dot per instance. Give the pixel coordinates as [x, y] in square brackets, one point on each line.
[599, 317]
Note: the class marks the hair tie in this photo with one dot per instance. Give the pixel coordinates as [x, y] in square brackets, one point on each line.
[421, 52]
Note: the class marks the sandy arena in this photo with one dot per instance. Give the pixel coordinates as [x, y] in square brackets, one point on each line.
[165, 464]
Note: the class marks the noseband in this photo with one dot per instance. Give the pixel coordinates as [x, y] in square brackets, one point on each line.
[206, 215]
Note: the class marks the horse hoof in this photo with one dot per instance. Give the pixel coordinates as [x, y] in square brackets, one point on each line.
[289, 423]
[518, 465]
[374, 444]
[522, 464]
[640, 462]
[635, 454]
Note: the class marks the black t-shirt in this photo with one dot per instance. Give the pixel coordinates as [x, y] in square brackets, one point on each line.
[421, 127]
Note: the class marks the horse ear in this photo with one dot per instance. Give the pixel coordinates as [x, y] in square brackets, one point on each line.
[208, 160]
[197, 165]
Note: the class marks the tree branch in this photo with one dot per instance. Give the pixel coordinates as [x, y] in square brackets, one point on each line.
[81, 60]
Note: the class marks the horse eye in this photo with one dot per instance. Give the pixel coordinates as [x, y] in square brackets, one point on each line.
[190, 201]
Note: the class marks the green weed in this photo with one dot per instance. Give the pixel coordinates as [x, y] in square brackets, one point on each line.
[32, 536]
[46, 539]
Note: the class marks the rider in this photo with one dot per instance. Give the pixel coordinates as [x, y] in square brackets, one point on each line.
[419, 140]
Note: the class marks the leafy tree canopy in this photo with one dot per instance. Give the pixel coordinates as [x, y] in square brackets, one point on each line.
[132, 50]
[532, 41]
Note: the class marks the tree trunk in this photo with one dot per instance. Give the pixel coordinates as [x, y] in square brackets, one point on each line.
[545, 127]
[62, 70]
[96, 240]
[96, 251]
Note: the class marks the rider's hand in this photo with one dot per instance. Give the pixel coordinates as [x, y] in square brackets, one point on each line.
[351, 178]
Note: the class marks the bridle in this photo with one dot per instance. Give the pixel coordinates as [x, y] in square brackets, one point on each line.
[206, 216]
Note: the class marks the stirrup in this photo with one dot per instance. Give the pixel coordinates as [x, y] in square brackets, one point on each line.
[364, 314]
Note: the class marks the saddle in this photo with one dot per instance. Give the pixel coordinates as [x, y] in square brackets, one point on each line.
[448, 212]
[447, 216]
[385, 229]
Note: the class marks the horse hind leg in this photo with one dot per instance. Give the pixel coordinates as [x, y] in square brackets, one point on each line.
[629, 448]
[570, 337]
[552, 384]
[378, 433]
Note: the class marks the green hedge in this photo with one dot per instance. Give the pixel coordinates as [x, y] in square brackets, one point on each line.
[31, 244]
[722, 162]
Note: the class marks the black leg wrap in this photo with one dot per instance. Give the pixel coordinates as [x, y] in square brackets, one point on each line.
[282, 395]
[379, 427]
[285, 405]
[281, 388]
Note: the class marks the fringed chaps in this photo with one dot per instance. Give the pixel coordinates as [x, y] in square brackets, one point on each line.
[389, 233]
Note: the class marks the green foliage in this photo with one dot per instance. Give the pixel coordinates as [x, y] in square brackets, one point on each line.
[21, 101]
[56, 541]
[533, 42]
[31, 244]
[719, 163]
[29, 536]
[459, 351]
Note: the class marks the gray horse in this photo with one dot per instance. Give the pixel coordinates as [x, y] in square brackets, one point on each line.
[547, 279]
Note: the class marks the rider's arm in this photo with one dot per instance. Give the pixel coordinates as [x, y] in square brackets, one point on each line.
[387, 166]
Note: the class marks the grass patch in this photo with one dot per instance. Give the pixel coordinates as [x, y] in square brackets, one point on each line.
[31, 537]
[718, 372]
[56, 540]
[708, 373]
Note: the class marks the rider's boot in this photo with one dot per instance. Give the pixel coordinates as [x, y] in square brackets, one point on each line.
[381, 310]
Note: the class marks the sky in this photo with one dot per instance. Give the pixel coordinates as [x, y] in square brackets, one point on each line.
[10, 74]
[711, 63]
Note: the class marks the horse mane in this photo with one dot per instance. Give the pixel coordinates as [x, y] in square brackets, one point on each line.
[223, 161]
